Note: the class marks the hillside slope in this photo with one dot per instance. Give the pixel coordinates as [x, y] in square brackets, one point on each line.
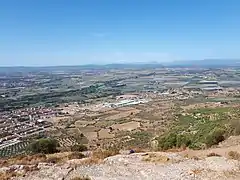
[215, 164]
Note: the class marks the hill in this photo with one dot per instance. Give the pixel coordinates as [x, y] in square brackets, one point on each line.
[206, 63]
[217, 163]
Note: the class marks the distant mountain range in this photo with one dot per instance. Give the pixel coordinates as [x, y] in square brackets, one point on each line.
[80, 67]
[207, 63]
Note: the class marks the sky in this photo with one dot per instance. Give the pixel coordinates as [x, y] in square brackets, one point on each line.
[75, 32]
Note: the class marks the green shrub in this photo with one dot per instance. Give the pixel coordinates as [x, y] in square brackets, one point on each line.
[215, 137]
[139, 140]
[169, 141]
[201, 128]
[196, 145]
[183, 141]
[235, 124]
[45, 146]
[173, 140]
[79, 147]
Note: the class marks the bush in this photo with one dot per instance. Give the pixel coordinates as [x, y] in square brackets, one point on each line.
[196, 145]
[173, 140]
[194, 141]
[139, 140]
[79, 147]
[168, 142]
[234, 155]
[213, 154]
[215, 137]
[45, 146]
[183, 141]
[76, 155]
[81, 178]
[235, 124]
[53, 160]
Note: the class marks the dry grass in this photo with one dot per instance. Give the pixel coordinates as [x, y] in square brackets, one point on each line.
[213, 154]
[24, 160]
[192, 157]
[139, 150]
[234, 155]
[55, 160]
[30, 168]
[98, 156]
[195, 172]
[9, 174]
[90, 161]
[39, 158]
[75, 155]
[195, 158]
[174, 150]
[80, 178]
[102, 154]
[156, 158]
[62, 158]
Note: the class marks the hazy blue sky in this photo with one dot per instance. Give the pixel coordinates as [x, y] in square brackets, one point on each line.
[65, 32]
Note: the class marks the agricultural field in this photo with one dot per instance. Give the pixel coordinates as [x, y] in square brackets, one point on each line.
[121, 107]
[16, 149]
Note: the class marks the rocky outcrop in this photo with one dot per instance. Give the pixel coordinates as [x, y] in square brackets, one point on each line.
[142, 166]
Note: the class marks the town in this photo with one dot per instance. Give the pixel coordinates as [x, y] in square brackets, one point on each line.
[100, 108]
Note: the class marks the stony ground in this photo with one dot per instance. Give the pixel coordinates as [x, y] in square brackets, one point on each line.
[135, 166]
[142, 166]
[185, 165]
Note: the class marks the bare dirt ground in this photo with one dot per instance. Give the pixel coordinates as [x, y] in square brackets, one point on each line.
[129, 167]
[105, 134]
[129, 126]
[122, 114]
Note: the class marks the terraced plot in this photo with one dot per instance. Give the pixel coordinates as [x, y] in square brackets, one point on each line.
[15, 149]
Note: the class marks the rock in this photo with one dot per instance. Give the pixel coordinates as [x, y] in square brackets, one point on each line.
[161, 166]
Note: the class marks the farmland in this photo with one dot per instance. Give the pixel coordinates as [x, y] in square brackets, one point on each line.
[124, 107]
[15, 149]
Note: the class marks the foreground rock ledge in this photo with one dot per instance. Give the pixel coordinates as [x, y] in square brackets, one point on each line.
[144, 166]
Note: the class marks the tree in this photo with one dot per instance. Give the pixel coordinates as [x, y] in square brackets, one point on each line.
[79, 147]
[215, 137]
[44, 145]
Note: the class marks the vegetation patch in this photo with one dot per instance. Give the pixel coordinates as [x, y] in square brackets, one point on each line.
[102, 154]
[24, 160]
[13, 150]
[234, 155]
[75, 155]
[156, 158]
[213, 154]
[200, 128]
[139, 140]
[81, 178]
[79, 147]
[45, 146]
